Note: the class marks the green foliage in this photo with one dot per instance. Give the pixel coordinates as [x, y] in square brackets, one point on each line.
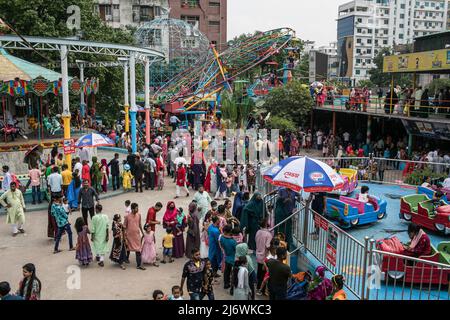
[48, 19]
[281, 124]
[292, 101]
[417, 176]
[378, 78]
[365, 84]
[438, 84]
[236, 107]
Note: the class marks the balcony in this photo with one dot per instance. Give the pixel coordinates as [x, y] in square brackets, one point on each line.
[190, 4]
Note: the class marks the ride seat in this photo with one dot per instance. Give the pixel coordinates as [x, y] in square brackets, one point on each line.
[444, 250]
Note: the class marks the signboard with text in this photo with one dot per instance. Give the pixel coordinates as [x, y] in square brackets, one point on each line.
[332, 242]
[69, 146]
[427, 61]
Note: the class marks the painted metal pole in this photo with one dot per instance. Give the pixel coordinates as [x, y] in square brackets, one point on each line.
[334, 123]
[82, 102]
[133, 102]
[392, 94]
[369, 130]
[65, 98]
[147, 101]
[410, 144]
[126, 97]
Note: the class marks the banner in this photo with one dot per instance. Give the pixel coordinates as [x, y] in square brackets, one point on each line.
[427, 61]
[332, 242]
[432, 130]
[69, 146]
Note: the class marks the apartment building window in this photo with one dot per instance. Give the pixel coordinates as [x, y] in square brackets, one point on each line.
[401, 36]
[369, 41]
[214, 4]
[192, 20]
[214, 23]
[106, 12]
[146, 13]
[136, 15]
[190, 3]
[358, 41]
[116, 13]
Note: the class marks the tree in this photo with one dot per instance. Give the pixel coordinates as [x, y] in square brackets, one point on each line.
[438, 84]
[292, 101]
[282, 124]
[236, 107]
[48, 19]
[378, 78]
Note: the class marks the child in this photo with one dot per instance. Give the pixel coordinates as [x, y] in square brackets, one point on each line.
[208, 280]
[66, 205]
[127, 207]
[100, 235]
[83, 249]
[161, 178]
[167, 243]
[148, 250]
[237, 234]
[126, 177]
[204, 245]
[181, 221]
[364, 195]
[181, 181]
[159, 295]
[176, 293]
[272, 255]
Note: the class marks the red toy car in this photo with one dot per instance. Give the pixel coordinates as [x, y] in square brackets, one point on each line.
[419, 209]
[397, 268]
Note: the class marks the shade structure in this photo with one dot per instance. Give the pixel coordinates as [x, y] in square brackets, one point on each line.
[94, 140]
[12, 67]
[303, 173]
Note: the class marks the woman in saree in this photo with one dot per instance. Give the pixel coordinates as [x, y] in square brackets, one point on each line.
[119, 248]
[74, 190]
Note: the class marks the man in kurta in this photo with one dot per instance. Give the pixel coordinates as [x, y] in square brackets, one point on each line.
[203, 200]
[15, 208]
[100, 235]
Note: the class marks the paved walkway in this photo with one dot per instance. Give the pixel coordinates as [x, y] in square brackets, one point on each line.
[109, 282]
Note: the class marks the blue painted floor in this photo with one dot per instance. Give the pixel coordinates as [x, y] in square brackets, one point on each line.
[392, 225]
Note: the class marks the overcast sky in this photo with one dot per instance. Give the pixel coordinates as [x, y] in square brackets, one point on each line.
[311, 19]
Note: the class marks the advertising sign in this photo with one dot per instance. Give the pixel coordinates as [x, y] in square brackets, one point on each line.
[69, 146]
[418, 62]
[332, 245]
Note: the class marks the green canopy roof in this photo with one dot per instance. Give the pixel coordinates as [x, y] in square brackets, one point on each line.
[12, 67]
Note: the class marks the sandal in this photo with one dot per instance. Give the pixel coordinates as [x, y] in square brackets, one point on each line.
[141, 268]
[156, 265]
[56, 251]
[122, 267]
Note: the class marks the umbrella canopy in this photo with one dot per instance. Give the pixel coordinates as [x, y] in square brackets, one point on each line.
[303, 173]
[316, 84]
[94, 140]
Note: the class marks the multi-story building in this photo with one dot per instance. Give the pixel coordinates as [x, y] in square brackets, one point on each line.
[121, 13]
[366, 26]
[210, 16]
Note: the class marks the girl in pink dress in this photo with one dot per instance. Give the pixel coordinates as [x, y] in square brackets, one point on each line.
[148, 250]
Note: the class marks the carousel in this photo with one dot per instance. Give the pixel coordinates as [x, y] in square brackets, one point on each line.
[31, 98]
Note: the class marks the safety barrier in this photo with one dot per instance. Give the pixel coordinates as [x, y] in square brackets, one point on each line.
[428, 109]
[391, 171]
[369, 273]
[396, 277]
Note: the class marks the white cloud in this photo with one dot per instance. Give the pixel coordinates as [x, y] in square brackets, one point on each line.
[312, 20]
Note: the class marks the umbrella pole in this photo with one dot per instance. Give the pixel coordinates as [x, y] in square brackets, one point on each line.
[4, 114]
[306, 224]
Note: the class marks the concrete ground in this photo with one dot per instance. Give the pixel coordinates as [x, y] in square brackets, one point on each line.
[110, 282]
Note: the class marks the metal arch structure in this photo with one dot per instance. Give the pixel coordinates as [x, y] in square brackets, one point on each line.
[205, 81]
[77, 46]
[65, 46]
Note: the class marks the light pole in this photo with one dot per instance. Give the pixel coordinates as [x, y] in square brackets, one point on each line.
[65, 97]
[134, 108]
[125, 63]
[147, 101]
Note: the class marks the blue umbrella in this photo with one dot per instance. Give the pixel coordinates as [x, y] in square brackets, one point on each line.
[93, 140]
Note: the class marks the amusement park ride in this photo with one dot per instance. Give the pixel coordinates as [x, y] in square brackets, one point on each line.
[205, 82]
